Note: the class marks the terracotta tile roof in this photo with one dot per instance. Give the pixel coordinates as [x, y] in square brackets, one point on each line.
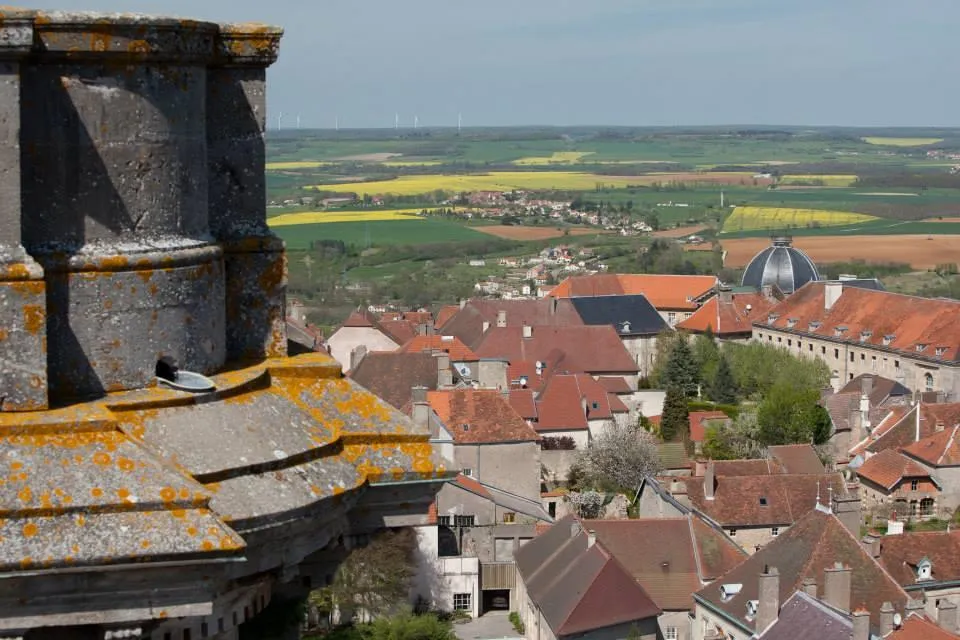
[418, 317]
[900, 555]
[445, 313]
[432, 513]
[360, 318]
[584, 349]
[739, 500]
[700, 420]
[615, 384]
[522, 401]
[458, 351]
[663, 291]
[560, 406]
[392, 375]
[904, 431]
[873, 318]
[467, 323]
[815, 542]
[399, 330]
[797, 458]
[577, 587]
[760, 467]
[887, 468]
[475, 416]
[470, 485]
[942, 449]
[729, 316]
[917, 627]
[674, 568]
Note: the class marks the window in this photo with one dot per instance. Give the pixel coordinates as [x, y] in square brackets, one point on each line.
[670, 633]
[671, 317]
[763, 502]
[810, 348]
[774, 531]
[467, 471]
[896, 364]
[851, 356]
[552, 509]
[443, 521]
[928, 381]
[509, 517]
[463, 521]
[462, 601]
[789, 343]
[799, 345]
[863, 357]
[823, 351]
[732, 532]
[914, 485]
[760, 335]
[836, 354]
[926, 507]
[779, 339]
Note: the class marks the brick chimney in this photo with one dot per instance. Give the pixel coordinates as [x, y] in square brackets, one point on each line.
[836, 586]
[810, 587]
[886, 619]
[709, 481]
[861, 624]
[501, 319]
[947, 615]
[768, 608]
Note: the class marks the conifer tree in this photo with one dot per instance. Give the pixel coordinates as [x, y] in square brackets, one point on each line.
[682, 370]
[724, 387]
[674, 423]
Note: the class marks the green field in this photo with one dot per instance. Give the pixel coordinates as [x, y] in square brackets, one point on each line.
[875, 227]
[386, 232]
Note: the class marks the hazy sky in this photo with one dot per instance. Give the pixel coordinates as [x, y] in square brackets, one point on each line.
[629, 62]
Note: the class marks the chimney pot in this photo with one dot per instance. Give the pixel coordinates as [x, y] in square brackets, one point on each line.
[768, 608]
[831, 293]
[357, 356]
[836, 587]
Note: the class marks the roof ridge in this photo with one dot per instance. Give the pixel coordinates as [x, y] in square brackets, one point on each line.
[696, 551]
[943, 454]
[863, 552]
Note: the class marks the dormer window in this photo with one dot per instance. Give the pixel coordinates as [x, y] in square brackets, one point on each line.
[920, 347]
[772, 317]
[466, 426]
[752, 606]
[865, 335]
[728, 591]
[791, 323]
[816, 324]
[925, 569]
[888, 339]
[839, 331]
[941, 351]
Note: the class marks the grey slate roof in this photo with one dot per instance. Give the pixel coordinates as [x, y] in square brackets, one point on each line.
[629, 315]
[803, 617]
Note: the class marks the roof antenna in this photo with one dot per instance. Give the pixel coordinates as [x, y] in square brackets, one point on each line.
[818, 493]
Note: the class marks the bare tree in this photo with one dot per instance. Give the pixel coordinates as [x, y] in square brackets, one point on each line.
[620, 458]
[588, 504]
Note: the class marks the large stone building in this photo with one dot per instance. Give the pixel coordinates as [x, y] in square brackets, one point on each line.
[135, 233]
[857, 330]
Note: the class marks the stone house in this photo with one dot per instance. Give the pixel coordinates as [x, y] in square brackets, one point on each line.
[925, 563]
[858, 330]
[576, 406]
[939, 455]
[892, 478]
[360, 333]
[729, 315]
[858, 407]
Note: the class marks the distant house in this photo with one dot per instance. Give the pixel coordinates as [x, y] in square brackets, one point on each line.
[577, 406]
[890, 477]
[393, 375]
[700, 421]
[925, 563]
[363, 329]
[476, 317]
[635, 320]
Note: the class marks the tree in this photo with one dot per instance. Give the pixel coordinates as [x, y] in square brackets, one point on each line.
[735, 442]
[706, 354]
[682, 370]
[674, 423]
[409, 627]
[619, 458]
[588, 505]
[723, 390]
[790, 415]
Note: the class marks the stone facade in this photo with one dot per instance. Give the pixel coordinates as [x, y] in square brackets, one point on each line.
[346, 339]
[511, 466]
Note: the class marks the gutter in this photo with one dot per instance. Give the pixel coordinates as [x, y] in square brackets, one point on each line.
[723, 614]
[928, 584]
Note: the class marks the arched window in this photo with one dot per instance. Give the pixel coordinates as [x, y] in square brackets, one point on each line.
[928, 381]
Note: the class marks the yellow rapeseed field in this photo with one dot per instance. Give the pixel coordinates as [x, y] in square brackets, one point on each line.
[303, 164]
[558, 157]
[827, 180]
[494, 181]
[775, 218]
[319, 217]
[901, 142]
[411, 163]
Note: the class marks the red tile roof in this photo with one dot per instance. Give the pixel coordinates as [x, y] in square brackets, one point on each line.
[467, 324]
[887, 468]
[445, 313]
[729, 316]
[471, 485]
[560, 406]
[797, 458]
[392, 375]
[663, 291]
[399, 330]
[522, 401]
[900, 555]
[917, 627]
[873, 318]
[585, 349]
[759, 467]
[475, 416]
[615, 384]
[942, 449]
[892, 419]
[458, 351]
[904, 432]
[700, 420]
[360, 318]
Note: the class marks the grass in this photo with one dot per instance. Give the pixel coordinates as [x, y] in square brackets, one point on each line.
[558, 157]
[901, 142]
[298, 164]
[382, 232]
[825, 180]
[331, 217]
[755, 218]
[876, 226]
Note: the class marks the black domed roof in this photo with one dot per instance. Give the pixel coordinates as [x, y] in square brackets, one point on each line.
[782, 265]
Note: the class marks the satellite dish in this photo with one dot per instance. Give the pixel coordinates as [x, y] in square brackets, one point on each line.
[897, 619]
[464, 370]
[188, 381]
[523, 381]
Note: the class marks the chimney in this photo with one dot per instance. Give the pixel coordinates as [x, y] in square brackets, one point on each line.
[886, 619]
[872, 545]
[421, 414]
[486, 326]
[357, 356]
[810, 587]
[575, 528]
[699, 468]
[527, 331]
[726, 294]
[939, 426]
[831, 293]
[914, 605]
[847, 509]
[591, 538]
[583, 407]
[423, 329]
[768, 609]
[501, 319]
[444, 375]
[861, 624]
[866, 384]
[709, 481]
[836, 586]
[947, 615]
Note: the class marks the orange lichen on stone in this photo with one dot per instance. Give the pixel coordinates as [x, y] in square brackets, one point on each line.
[145, 544]
[29, 530]
[125, 464]
[34, 318]
[207, 545]
[96, 492]
[25, 495]
[168, 494]
[123, 493]
[101, 459]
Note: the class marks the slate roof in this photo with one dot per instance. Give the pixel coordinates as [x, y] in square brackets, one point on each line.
[476, 416]
[780, 265]
[880, 388]
[942, 449]
[584, 349]
[577, 587]
[815, 542]
[629, 315]
[452, 345]
[737, 499]
[797, 458]
[803, 617]
[559, 405]
[900, 555]
[729, 316]
[700, 420]
[663, 291]
[392, 375]
[904, 321]
[688, 553]
[467, 323]
[887, 468]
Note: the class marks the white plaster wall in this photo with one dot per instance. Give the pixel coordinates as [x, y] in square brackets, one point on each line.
[346, 339]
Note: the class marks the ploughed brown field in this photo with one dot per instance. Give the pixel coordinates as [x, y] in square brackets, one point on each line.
[533, 233]
[919, 251]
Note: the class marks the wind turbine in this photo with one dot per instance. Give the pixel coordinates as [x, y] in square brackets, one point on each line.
[459, 122]
[416, 122]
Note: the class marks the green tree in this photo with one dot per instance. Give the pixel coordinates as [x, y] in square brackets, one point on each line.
[664, 347]
[682, 370]
[706, 353]
[723, 389]
[409, 627]
[789, 415]
[674, 423]
[735, 442]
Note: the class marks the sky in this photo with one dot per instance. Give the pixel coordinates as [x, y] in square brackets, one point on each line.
[599, 62]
